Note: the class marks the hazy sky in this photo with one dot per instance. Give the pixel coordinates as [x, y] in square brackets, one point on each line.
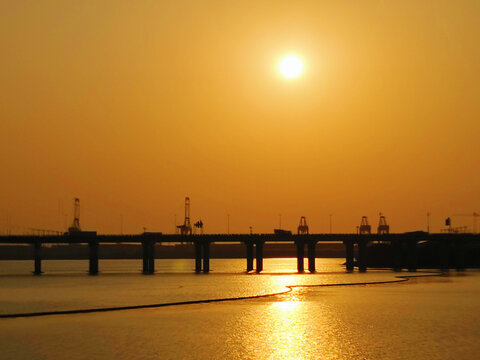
[133, 105]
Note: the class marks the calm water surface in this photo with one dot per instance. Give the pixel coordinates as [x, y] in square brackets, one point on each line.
[434, 317]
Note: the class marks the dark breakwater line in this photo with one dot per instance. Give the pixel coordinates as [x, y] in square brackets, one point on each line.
[290, 288]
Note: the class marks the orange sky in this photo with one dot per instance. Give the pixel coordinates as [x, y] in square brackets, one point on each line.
[131, 106]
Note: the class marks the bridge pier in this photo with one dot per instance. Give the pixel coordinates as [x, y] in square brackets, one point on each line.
[460, 254]
[249, 246]
[151, 257]
[412, 255]
[37, 255]
[259, 255]
[311, 256]
[202, 256]
[198, 257]
[148, 247]
[93, 261]
[206, 256]
[362, 253]
[396, 246]
[349, 254]
[145, 256]
[444, 254]
[300, 255]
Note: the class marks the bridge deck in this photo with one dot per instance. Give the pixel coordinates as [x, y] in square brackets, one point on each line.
[254, 244]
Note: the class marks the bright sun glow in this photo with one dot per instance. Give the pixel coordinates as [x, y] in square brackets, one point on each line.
[291, 66]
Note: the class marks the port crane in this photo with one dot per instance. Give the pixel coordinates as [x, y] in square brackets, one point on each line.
[302, 226]
[452, 230]
[364, 227]
[383, 228]
[186, 228]
[475, 216]
[76, 217]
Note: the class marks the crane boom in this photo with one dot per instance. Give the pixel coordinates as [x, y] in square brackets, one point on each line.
[474, 215]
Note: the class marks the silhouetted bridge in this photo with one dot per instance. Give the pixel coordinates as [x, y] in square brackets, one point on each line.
[402, 245]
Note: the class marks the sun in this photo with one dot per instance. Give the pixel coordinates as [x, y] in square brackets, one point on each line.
[291, 66]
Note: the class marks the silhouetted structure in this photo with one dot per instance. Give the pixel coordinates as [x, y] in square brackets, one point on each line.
[302, 226]
[281, 232]
[474, 215]
[44, 232]
[453, 230]
[383, 228]
[76, 217]
[186, 228]
[398, 251]
[364, 228]
[199, 225]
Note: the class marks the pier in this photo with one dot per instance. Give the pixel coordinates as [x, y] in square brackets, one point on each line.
[451, 247]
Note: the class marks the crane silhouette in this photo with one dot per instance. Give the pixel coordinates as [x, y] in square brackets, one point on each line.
[475, 215]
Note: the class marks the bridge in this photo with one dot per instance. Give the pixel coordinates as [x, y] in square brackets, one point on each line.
[404, 247]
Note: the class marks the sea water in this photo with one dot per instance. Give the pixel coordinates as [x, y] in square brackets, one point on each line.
[278, 314]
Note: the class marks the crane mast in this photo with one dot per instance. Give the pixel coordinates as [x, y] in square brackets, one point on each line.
[186, 228]
[76, 217]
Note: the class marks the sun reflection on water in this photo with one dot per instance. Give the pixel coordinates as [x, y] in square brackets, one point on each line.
[287, 334]
[286, 305]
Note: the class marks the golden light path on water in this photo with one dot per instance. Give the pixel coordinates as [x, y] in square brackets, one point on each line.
[293, 329]
[431, 317]
[286, 332]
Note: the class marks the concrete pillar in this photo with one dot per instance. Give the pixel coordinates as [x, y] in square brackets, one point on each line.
[311, 256]
[145, 251]
[198, 257]
[151, 256]
[444, 254]
[460, 254]
[206, 256]
[300, 255]
[259, 255]
[93, 264]
[349, 254]
[396, 255]
[412, 254]
[37, 256]
[249, 246]
[362, 255]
